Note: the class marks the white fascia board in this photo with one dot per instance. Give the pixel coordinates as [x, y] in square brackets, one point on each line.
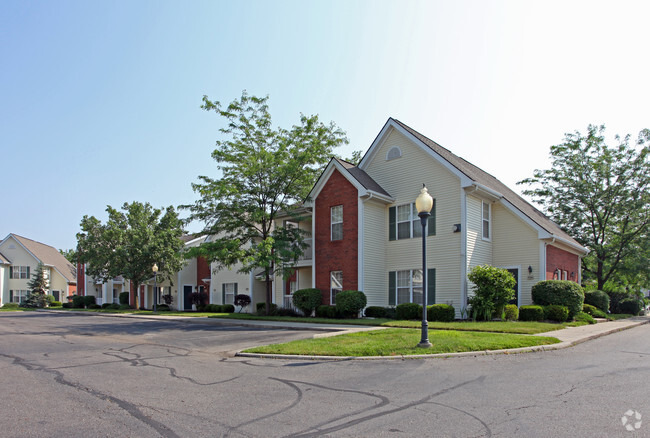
[334, 165]
[486, 192]
[391, 124]
[194, 241]
[379, 196]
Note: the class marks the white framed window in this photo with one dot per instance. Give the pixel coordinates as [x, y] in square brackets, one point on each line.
[19, 296]
[18, 272]
[229, 289]
[409, 286]
[487, 221]
[336, 285]
[405, 222]
[336, 222]
[394, 152]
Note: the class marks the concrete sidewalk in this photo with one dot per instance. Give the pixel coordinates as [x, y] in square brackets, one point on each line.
[568, 337]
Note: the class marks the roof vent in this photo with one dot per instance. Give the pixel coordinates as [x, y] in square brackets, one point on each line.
[394, 152]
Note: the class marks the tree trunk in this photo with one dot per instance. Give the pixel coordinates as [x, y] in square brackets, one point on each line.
[268, 293]
[599, 274]
[135, 294]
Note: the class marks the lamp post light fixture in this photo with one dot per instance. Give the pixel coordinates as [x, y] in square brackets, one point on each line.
[155, 292]
[423, 205]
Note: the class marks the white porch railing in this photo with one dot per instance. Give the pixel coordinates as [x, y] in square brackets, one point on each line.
[306, 255]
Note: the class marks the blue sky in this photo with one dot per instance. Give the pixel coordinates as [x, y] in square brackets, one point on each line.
[100, 100]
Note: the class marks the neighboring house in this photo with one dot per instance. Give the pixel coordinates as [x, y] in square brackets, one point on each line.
[19, 258]
[367, 235]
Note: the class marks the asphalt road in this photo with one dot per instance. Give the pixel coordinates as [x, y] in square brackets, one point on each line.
[81, 376]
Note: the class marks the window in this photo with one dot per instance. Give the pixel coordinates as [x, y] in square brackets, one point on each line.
[336, 285]
[404, 222]
[19, 272]
[229, 290]
[409, 286]
[18, 296]
[394, 152]
[336, 221]
[486, 221]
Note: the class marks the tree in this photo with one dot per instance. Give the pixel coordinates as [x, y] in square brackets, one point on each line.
[70, 255]
[38, 286]
[493, 288]
[131, 242]
[600, 195]
[265, 171]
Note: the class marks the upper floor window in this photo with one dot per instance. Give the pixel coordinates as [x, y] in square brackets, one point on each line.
[404, 222]
[19, 272]
[487, 220]
[336, 222]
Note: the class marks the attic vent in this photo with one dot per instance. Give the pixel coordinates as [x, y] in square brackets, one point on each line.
[12, 246]
[394, 152]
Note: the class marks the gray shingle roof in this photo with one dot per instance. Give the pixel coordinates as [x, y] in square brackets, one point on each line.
[364, 179]
[49, 256]
[481, 177]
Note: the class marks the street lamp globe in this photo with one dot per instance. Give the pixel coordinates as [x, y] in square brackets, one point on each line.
[154, 268]
[424, 201]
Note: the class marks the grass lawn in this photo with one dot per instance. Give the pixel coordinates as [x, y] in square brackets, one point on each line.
[616, 316]
[398, 342]
[519, 327]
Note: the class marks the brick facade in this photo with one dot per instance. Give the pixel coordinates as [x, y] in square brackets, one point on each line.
[202, 273]
[565, 261]
[81, 280]
[339, 255]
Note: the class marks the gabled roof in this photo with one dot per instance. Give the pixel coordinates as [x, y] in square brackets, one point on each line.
[4, 260]
[49, 256]
[356, 176]
[481, 178]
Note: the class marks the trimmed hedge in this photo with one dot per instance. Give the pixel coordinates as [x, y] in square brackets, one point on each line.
[376, 312]
[615, 298]
[511, 312]
[407, 311]
[307, 300]
[113, 306]
[124, 307]
[326, 311]
[556, 313]
[55, 304]
[630, 305]
[105, 305]
[350, 302]
[531, 313]
[441, 312]
[261, 308]
[10, 306]
[561, 293]
[213, 308]
[78, 302]
[124, 297]
[229, 308]
[585, 317]
[597, 298]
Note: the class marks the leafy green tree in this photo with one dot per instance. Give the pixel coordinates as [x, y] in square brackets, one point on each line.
[600, 195]
[130, 242]
[493, 288]
[70, 255]
[264, 171]
[38, 286]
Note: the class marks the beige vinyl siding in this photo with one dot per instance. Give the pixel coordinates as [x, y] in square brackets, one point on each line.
[403, 178]
[19, 257]
[224, 275]
[375, 238]
[516, 244]
[479, 251]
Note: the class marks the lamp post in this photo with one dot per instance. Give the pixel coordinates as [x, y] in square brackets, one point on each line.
[423, 205]
[155, 293]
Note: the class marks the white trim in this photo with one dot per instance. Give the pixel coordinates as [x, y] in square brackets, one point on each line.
[313, 247]
[360, 243]
[399, 154]
[542, 261]
[327, 173]
[332, 223]
[489, 221]
[463, 249]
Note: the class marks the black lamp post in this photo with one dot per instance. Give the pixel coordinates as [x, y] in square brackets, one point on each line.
[423, 205]
[155, 292]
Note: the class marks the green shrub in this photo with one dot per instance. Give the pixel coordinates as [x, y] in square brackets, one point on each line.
[124, 307]
[511, 312]
[94, 306]
[325, 311]
[229, 308]
[89, 300]
[105, 305]
[560, 293]
[350, 302]
[213, 308]
[66, 305]
[113, 306]
[531, 313]
[78, 302]
[493, 288]
[287, 311]
[242, 301]
[407, 311]
[261, 308]
[376, 312]
[593, 311]
[10, 306]
[124, 297]
[585, 317]
[615, 298]
[555, 312]
[307, 300]
[441, 312]
[163, 307]
[598, 299]
[631, 306]
[55, 304]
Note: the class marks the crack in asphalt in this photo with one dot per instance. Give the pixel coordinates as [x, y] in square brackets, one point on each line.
[130, 408]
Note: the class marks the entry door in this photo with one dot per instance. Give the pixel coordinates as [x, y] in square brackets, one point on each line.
[55, 294]
[187, 297]
[515, 273]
